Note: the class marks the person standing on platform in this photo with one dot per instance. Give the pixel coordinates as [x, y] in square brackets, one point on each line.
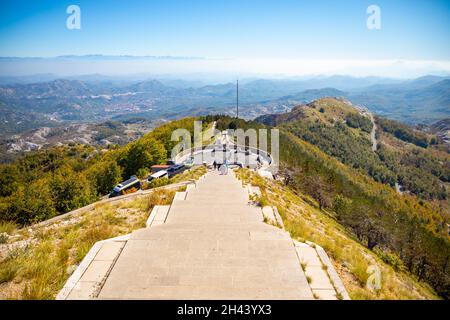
[224, 168]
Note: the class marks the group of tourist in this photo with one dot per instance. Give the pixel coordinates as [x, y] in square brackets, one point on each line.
[222, 167]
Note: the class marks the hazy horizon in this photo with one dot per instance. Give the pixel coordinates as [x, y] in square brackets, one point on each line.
[66, 66]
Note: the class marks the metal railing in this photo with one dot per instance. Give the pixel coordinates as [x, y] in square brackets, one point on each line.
[228, 147]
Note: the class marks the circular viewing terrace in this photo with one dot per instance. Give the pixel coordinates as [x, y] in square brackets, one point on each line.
[232, 154]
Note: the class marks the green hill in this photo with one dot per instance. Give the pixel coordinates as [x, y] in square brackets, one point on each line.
[330, 159]
[404, 155]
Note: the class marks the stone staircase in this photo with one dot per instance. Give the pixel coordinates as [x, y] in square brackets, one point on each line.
[210, 243]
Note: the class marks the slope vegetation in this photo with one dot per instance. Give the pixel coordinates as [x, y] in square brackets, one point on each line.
[330, 159]
[305, 221]
[50, 182]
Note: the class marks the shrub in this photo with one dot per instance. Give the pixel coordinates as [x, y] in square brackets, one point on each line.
[159, 182]
[142, 154]
[142, 173]
[391, 259]
[359, 121]
[70, 190]
[105, 174]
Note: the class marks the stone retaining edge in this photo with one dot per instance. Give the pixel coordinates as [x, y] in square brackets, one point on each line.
[278, 217]
[334, 277]
[82, 267]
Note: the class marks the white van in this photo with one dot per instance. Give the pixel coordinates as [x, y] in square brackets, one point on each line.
[158, 175]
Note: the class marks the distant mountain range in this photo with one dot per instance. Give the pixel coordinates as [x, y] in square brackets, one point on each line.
[97, 57]
[422, 100]
[31, 105]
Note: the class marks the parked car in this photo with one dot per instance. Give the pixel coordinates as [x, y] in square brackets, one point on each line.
[175, 169]
[125, 186]
[189, 163]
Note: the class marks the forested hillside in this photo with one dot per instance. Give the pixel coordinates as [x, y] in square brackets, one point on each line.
[404, 230]
[330, 158]
[46, 183]
[411, 158]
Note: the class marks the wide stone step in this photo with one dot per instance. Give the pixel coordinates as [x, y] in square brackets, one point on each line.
[218, 196]
[249, 231]
[212, 245]
[199, 219]
[214, 203]
[212, 208]
[218, 189]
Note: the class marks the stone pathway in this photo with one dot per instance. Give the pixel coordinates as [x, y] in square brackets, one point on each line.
[211, 243]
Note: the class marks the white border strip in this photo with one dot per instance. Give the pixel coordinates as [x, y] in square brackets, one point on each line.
[335, 279]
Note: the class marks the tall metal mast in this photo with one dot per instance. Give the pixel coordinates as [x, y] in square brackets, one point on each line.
[237, 98]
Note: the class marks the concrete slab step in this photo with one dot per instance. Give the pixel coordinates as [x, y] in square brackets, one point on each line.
[157, 216]
[213, 245]
[308, 256]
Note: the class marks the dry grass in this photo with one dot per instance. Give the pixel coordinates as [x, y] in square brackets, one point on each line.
[39, 269]
[7, 227]
[305, 221]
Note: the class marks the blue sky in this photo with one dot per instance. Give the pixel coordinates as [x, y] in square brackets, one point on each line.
[321, 29]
